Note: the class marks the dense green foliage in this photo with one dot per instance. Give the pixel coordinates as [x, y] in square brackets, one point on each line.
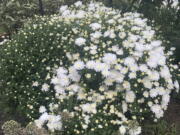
[24, 60]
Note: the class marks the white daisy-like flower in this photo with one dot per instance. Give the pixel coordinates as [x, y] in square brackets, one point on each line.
[147, 83]
[35, 84]
[59, 89]
[79, 65]
[156, 43]
[165, 73]
[54, 122]
[153, 93]
[176, 84]
[100, 66]
[81, 14]
[157, 110]
[130, 97]
[124, 106]
[78, 4]
[42, 109]
[63, 8]
[80, 41]
[143, 68]
[64, 80]
[45, 87]
[55, 80]
[105, 72]
[89, 108]
[119, 52]
[129, 61]
[96, 35]
[90, 64]
[61, 71]
[109, 58]
[73, 75]
[95, 26]
[122, 130]
[154, 76]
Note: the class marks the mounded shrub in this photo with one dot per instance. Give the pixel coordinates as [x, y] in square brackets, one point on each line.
[14, 128]
[90, 70]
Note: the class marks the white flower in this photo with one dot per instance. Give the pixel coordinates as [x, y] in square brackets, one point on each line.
[126, 85]
[143, 68]
[120, 52]
[147, 83]
[111, 21]
[134, 67]
[54, 122]
[89, 108]
[109, 81]
[38, 123]
[109, 58]
[176, 85]
[64, 80]
[45, 87]
[124, 107]
[130, 96]
[165, 73]
[154, 76]
[115, 48]
[132, 75]
[74, 87]
[140, 47]
[59, 89]
[122, 35]
[122, 130]
[154, 93]
[161, 90]
[157, 110]
[63, 8]
[61, 71]
[129, 61]
[81, 14]
[96, 35]
[165, 99]
[156, 43]
[84, 126]
[41, 121]
[78, 4]
[93, 52]
[80, 41]
[42, 109]
[55, 80]
[146, 94]
[90, 64]
[95, 26]
[73, 74]
[66, 13]
[35, 84]
[79, 65]
[105, 72]
[100, 66]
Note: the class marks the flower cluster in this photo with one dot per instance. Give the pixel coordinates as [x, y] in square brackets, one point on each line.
[115, 72]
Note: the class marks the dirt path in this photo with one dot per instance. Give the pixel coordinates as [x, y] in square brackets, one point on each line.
[172, 115]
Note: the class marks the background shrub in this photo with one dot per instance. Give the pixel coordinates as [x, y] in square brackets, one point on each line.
[25, 59]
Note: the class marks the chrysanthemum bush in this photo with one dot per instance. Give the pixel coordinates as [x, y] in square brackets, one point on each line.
[89, 70]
